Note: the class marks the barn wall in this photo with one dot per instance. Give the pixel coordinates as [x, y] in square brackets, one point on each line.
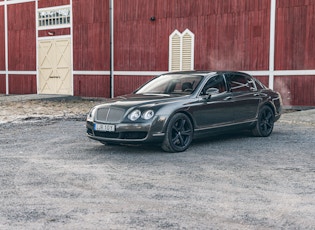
[52, 3]
[91, 35]
[295, 35]
[140, 44]
[22, 84]
[2, 40]
[235, 36]
[22, 36]
[229, 35]
[127, 84]
[91, 86]
[2, 84]
[296, 90]
[264, 80]
[54, 32]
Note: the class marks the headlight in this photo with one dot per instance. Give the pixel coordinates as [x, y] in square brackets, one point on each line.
[91, 114]
[148, 114]
[134, 115]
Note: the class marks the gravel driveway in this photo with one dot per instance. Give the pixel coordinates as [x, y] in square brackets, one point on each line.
[54, 177]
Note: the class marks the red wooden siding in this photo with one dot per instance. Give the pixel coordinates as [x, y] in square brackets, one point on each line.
[55, 32]
[296, 90]
[2, 84]
[22, 84]
[229, 34]
[51, 3]
[2, 39]
[91, 35]
[22, 36]
[140, 44]
[263, 79]
[128, 84]
[91, 86]
[295, 35]
[98, 86]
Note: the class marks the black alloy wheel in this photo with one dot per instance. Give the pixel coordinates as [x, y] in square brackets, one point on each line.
[265, 122]
[179, 134]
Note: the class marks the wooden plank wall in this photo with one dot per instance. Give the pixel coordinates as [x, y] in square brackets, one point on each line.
[295, 48]
[91, 47]
[263, 79]
[128, 84]
[296, 90]
[22, 84]
[22, 36]
[2, 84]
[2, 40]
[91, 35]
[295, 35]
[229, 34]
[55, 32]
[51, 3]
[91, 86]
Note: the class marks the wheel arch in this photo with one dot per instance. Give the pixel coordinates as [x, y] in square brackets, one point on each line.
[189, 115]
[270, 105]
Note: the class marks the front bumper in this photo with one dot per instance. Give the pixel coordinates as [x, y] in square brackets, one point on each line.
[128, 132]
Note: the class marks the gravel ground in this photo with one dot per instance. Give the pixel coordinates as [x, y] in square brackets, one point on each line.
[16, 110]
[53, 177]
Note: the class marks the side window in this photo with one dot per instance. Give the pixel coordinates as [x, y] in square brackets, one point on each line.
[241, 83]
[214, 84]
[259, 85]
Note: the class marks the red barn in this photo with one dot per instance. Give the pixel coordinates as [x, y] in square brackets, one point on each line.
[99, 48]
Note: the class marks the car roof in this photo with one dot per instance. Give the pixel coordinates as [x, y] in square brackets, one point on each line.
[196, 72]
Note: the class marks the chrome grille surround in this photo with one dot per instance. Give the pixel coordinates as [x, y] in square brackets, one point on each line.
[109, 114]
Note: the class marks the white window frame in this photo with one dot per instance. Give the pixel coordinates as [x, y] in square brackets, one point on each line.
[55, 22]
[184, 43]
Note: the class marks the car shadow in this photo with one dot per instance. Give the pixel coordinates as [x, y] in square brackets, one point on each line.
[153, 149]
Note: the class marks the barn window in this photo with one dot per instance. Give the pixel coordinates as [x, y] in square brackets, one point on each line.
[54, 17]
[181, 51]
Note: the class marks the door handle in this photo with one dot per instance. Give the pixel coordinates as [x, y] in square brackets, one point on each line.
[256, 94]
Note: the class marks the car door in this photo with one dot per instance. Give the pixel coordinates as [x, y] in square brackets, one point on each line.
[214, 106]
[245, 96]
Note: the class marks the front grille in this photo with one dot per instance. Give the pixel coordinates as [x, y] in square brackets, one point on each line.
[106, 134]
[111, 115]
[122, 135]
[134, 135]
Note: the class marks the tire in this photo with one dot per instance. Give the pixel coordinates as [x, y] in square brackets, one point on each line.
[265, 122]
[179, 134]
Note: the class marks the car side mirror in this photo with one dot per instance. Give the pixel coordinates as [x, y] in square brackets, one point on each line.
[211, 91]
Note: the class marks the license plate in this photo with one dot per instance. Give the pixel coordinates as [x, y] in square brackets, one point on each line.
[104, 127]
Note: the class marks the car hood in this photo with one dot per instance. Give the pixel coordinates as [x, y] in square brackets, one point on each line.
[132, 100]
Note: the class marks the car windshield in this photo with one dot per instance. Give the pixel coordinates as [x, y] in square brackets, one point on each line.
[171, 84]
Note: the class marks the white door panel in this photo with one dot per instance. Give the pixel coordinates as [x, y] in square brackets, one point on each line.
[54, 67]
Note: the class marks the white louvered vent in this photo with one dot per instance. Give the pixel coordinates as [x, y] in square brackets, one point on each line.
[181, 51]
[187, 52]
[176, 47]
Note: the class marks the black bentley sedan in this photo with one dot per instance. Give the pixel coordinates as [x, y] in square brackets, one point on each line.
[177, 107]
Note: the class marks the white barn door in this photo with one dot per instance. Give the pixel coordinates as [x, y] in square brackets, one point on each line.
[54, 67]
